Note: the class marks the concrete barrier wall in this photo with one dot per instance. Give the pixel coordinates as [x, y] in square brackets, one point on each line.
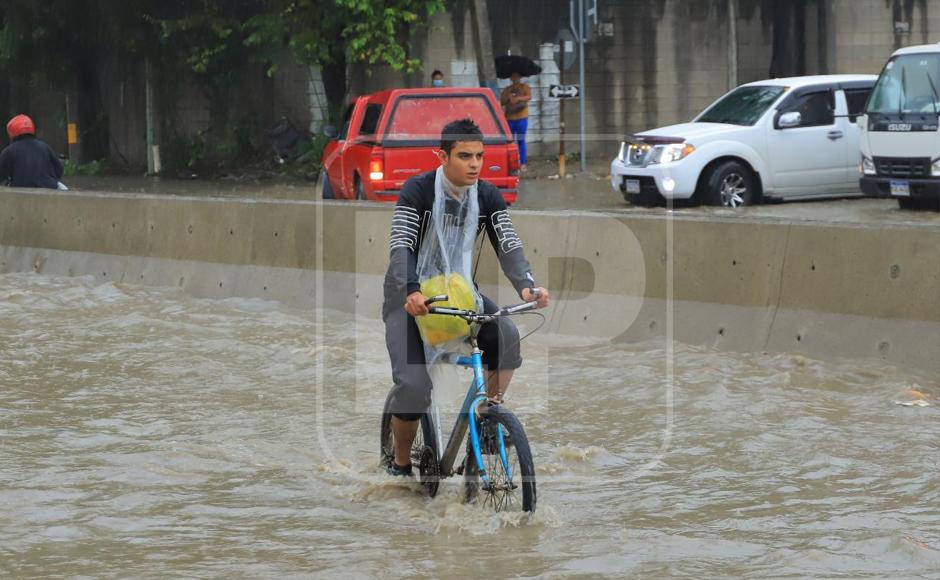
[729, 283]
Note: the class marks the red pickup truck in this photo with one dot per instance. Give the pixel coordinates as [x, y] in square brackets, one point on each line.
[390, 136]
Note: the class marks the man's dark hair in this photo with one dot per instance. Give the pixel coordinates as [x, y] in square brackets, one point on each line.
[461, 130]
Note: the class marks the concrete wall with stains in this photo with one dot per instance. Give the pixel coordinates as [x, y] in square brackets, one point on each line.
[815, 288]
[668, 59]
[865, 32]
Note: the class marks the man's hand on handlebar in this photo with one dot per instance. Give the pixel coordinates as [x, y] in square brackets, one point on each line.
[539, 295]
[415, 304]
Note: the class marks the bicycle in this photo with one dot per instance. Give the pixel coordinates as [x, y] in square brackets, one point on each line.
[489, 466]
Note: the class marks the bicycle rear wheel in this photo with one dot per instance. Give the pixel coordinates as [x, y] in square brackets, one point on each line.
[504, 491]
[424, 456]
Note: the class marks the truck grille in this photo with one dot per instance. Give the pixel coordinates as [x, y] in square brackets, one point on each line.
[903, 166]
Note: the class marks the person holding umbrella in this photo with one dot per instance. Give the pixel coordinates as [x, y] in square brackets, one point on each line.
[515, 98]
[515, 101]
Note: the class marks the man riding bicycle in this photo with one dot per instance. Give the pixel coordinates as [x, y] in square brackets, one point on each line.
[433, 218]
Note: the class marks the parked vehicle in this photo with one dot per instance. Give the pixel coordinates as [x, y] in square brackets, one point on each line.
[792, 138]
[390, 136]
[900, 144]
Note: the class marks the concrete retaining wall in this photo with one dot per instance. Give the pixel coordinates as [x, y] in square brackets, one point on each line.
[729, 283]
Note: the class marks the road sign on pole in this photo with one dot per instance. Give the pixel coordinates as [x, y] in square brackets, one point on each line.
[564, 91]
[564, 56]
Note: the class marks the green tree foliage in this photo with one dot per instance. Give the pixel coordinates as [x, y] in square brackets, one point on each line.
[63, 45]
[330, 34]
[370, 31]
[69, 44]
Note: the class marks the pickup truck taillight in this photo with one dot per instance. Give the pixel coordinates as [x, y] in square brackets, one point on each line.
[513, 159]
[377, 167]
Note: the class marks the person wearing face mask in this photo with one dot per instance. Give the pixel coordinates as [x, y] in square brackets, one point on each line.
[437, 79]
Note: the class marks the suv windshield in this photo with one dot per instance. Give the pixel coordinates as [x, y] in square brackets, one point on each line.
[742, 106]
[909, 84]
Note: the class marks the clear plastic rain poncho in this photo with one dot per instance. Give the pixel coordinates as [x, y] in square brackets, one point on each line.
[445, 261]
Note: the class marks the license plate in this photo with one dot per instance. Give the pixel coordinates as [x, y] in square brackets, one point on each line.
[633, 185]
[901, 188]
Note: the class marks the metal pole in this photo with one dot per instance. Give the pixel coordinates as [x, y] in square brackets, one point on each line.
[583, 92]
[71, 125]
[562, 160]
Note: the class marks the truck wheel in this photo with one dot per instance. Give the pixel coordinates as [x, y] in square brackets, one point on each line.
[326, 187]
[360, 190]
[907, 203]
[729, 184]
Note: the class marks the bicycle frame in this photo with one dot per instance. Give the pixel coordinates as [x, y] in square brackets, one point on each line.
[476, 394]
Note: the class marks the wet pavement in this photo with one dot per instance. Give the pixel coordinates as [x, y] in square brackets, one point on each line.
[581, 192]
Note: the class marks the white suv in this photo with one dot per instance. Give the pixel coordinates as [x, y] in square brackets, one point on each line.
[775, 139]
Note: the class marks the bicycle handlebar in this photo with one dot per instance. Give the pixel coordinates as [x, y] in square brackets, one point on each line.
[472, 316]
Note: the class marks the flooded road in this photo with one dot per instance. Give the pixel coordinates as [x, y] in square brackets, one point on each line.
[145, 433]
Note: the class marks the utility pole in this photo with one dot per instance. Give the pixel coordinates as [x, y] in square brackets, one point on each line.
[562, 160]
[71, 125]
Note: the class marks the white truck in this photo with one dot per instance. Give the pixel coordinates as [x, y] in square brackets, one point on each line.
[900, 133]
[792, 138]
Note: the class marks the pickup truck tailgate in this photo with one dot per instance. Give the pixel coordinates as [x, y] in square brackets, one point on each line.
[402, 163]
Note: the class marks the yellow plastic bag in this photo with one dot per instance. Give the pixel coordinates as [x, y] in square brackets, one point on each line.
[438, 329]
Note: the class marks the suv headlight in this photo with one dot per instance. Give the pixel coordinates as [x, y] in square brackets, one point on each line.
[868, 167]
[671, 153]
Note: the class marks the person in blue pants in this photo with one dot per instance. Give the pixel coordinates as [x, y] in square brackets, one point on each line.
[515, 102]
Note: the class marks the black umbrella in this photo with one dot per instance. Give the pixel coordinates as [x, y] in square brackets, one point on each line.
[516, 63]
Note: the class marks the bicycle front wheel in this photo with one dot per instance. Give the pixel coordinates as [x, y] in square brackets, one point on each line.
[504, 489]
[424, 456]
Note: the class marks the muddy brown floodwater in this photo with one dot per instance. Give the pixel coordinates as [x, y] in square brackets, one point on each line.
[145, 433]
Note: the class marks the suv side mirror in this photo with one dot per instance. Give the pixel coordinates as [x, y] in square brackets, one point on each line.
[330, 132]
[789, 120]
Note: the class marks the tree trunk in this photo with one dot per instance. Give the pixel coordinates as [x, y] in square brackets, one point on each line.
[92, 119]
[334, 84]
[483, 42]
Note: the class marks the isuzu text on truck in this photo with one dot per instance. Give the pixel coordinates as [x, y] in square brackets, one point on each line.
[900, 139]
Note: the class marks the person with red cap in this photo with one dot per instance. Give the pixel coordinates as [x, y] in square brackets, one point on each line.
[28, 161]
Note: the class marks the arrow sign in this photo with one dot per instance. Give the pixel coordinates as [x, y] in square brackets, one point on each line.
[564, 91]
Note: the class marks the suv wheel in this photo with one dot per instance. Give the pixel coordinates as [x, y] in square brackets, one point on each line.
[325, 186]
[729, 184]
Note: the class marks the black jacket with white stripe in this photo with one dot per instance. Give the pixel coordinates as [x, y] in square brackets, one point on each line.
[410, 223]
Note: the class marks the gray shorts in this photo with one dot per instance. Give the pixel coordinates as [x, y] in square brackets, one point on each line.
[411, 390]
